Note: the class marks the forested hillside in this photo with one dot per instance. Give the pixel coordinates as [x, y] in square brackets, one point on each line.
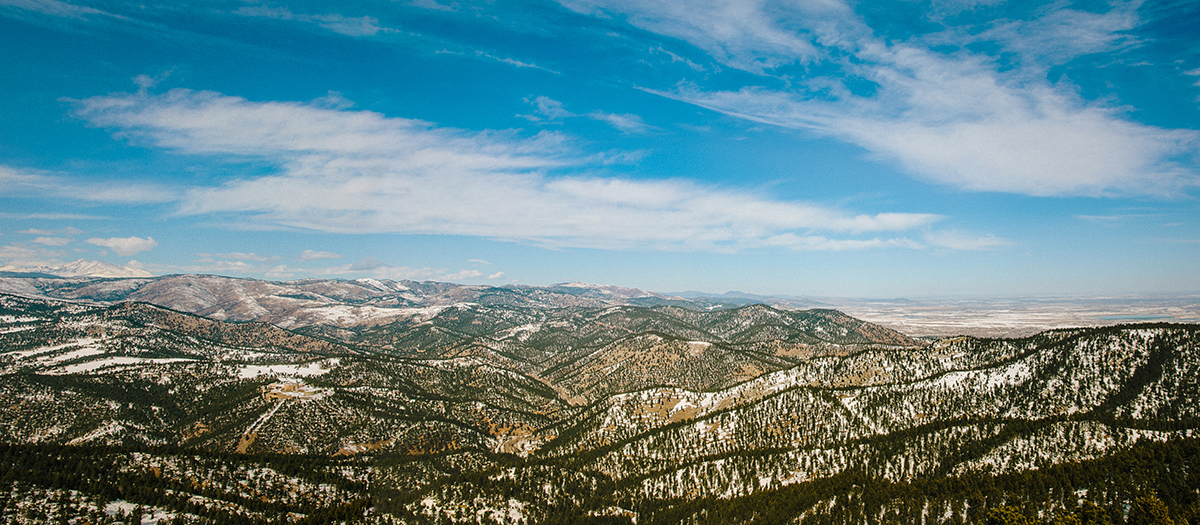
[473, 413]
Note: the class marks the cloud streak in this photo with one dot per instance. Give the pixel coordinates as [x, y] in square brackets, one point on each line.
[547, 109]
[16, 182]
[54, 8]
[372, 267]
[956, 240]
[349, 26]
[361, 172]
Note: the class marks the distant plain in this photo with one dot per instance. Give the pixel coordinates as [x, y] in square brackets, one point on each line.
[1017, 316]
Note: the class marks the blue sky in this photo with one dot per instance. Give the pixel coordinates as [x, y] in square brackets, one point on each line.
[812, 147]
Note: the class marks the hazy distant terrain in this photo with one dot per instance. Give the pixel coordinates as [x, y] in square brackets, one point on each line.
[294, 304]
[988, 316]
[1018, 317]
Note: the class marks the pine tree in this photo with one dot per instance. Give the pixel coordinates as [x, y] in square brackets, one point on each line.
[1006, 516]
[1149, 510]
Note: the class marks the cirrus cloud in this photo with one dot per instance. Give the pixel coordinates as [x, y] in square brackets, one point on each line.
[951, 117]
[349, 26]
[18, 182]
[361, 172]
[957, 240]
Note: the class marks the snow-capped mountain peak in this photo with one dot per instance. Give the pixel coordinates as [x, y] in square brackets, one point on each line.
[83, 268]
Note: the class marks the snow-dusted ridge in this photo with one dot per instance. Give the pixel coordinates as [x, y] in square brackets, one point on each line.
[658, 404]
[81, 268]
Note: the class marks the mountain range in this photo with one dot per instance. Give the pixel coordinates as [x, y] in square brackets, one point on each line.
[300, 303]
[78, 268]
[196, 398]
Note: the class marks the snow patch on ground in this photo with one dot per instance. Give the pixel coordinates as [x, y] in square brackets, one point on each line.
[76, 354]
[150, 516]
[314, 368]
[345, 315]
[111, 428]
[522, 332]
[81, 342]
[1062, 442]
[116, 361]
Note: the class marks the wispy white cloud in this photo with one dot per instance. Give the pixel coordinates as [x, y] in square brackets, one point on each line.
[950, 118]
[941, 9]
[1036, 141]
[220, 267]
[497, 275]
[239, 256]
[743, 34]
[345, 171]
[207, 266]
[1116, 217]
[368, 264]
[55, 8]
[435, 5]
[312, 255]
[60, 231]
[52, 216]
[819, 243]
[375, 268]
[484, 55]
[23, 255]
[280, 272]
[677, 58]
[350, 26]
[626, 123]
[1100, 218]
[232, 263]
[15, 182]
[144, 81]
[125, 245]
[514, 62]
[401, 273]
[957, 240]
[462, 275]
[53, 241]
[547, 109]
[1062, 34]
